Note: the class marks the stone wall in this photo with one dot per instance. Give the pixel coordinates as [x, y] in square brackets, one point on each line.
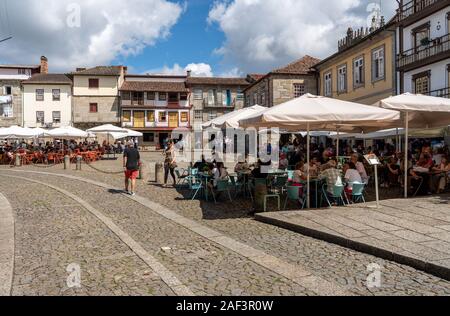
[108, 111]
[283, 87]
[17, 103]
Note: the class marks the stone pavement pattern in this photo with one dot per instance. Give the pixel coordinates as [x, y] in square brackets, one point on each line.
[341, 266]
[415, 228]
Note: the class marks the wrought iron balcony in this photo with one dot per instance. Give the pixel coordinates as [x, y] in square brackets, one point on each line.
[215, 105]
[442, 93]
[433, 49]
[415, 6]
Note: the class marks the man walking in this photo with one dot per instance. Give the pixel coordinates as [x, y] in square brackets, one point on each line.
[131, 163]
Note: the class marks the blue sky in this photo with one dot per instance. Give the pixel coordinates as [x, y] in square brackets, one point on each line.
[210, 37]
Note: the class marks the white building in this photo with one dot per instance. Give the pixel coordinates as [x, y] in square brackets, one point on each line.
[11, 93]
[423, 46]
[47, 101]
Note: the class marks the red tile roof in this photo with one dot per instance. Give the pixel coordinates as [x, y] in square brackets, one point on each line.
[100, 71]
[303, 65]
[217, 81]
[48, 79]
[154, 86]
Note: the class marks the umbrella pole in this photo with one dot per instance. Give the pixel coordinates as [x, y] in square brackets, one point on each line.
[337, 146]
[405, 184]
[308, 195]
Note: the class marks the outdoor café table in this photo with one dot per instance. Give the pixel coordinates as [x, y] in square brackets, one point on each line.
[205, 178]
[314, 182]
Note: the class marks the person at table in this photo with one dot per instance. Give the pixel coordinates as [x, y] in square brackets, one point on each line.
[169, 163]
[312, 169]
[201, 164]
[299, 177]
[283, 164]
[392, 172]
[439, 177]
[131, 163]
[260, 171]
[219, 173]
[360, 168]
[352, 175]
[331, 175]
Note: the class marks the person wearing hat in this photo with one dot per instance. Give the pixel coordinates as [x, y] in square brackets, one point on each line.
[131, 163]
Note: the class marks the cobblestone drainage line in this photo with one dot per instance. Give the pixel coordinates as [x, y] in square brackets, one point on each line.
[6, 246]
[177, 287]
[295, 273]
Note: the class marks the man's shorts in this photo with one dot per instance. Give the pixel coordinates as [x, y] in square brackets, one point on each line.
[131, 174]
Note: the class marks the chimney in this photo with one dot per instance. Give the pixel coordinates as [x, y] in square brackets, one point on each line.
[44, 65]
[189, 72]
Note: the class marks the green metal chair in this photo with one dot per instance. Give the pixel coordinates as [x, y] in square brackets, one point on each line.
[195, 186]
[293, 194]
[182, 176]
[338, 192]
[358, 192]
[222, 186]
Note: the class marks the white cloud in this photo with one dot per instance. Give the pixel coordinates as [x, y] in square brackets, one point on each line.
[109, 29]
[264, 34]
[199, 70]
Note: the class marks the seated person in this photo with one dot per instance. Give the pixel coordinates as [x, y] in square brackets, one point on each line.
[242, 165]
[258, 172]
[219, 173]
[313, 168]
[284, 163]
[331, 175]
[200, 165]
[440, 175]
[393, 172]
[351, 176]
[416, 183]
[360, 167]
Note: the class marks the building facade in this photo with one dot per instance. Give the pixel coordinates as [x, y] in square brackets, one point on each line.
[363, 69]
[423, 41]
[282, 85]
[11, 76]
[213, 97]
[96, 98]
[47, 101]
[155, 106]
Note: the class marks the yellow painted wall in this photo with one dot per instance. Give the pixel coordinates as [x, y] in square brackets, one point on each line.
[108, 86]
[371, 92]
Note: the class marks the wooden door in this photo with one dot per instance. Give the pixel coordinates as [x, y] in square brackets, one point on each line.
[173, 119]
[139, 119]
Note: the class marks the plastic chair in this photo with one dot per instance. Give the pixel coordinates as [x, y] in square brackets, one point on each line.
[358, 192]
[181, 176]
[222, 186]
[338, 191]
[195, 186]
[293, 194]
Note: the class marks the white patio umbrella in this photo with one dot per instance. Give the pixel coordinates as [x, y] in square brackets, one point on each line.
[324, 114]
[231, 120]
[107, 130]
[418, 111]
[16, 132]
[130, 133]
[39, 132]
[66, 132]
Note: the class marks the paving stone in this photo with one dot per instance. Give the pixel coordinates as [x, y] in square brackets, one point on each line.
[412, 236]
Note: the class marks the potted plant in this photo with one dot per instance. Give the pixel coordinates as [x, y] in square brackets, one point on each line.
[425, 41]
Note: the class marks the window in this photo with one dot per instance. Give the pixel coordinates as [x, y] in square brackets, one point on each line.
[263, 99]
[212, 97]
[198, 115]
[126, 116]
[40, 117]
[299, 90]
[358, 72]
[255, 98]
[422, 83]
[7, 90]
[149, 137]
[93, 83]
[240, 95]
[56, 117]
[198, 94]
[421, 36]
[162, 117]
[162, 96]
[126, 96]
[6, 110]
[184, 117]
[39, 94]
[93, 107]
[150, 116]
[173, 97]
[183, 96]
[328, 84]
[342, 79]
[378, 64]
[212, 115]
[56, 93]
[151, 96]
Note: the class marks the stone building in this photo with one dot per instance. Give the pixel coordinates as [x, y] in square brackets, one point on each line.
[11, 76]
[213, 97]
[283, 84]
[96, 98]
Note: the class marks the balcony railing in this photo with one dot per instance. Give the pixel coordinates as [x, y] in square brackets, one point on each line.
[208, 104]
[413, 7]
[442, 93]
[435, 47]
